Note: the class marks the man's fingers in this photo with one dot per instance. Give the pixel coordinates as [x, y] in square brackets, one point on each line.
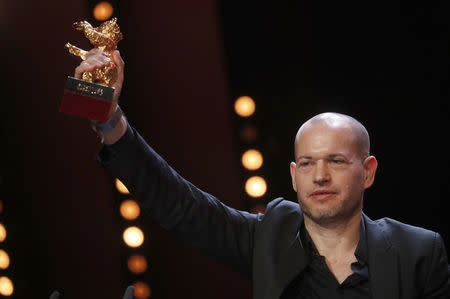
[96, 59]
[90, 64]
[120, 64]
[83, 67]
[118, 59]
[93, 52]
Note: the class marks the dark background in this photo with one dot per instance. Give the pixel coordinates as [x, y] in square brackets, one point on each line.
[385, 64]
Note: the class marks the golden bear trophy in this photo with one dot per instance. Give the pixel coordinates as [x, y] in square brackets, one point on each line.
[92, 96]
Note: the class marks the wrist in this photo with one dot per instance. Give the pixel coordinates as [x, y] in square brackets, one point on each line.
[111, 123]
[111, 130]
[115, 134]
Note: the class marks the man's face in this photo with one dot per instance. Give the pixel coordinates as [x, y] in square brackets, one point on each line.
[329, 174]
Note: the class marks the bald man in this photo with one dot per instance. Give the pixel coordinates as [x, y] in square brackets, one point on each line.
[322, 247]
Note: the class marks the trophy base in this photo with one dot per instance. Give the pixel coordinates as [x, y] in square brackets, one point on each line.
[87, 100]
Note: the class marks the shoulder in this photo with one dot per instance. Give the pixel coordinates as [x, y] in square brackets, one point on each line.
[397, 228]
[281, 204]
[278, 227]
[405, 236]
[282, 213]
[282, 208]
[421, 253]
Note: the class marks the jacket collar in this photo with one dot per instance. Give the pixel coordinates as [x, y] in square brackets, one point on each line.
[383, 261]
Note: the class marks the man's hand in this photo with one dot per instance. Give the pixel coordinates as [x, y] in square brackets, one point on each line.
[96, 59]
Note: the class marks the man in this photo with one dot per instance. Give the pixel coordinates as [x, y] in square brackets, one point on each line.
[325, 247]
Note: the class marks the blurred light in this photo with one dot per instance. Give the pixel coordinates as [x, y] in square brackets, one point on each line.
[137, 264]
[129, 209]
[252, 159]
[4, 259]
[258, 209]
[255, 186]
[249, 133]
[103, 11]
[141, 290]
[133, 236]
[2, 232]
[6, 286]
[1, 206]
[244, 106]
[121, 187]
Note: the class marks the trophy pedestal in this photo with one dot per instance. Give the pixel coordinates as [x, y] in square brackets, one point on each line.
[87, 100]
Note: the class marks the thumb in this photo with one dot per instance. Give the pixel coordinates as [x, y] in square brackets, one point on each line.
[118, 60]
[117, 84]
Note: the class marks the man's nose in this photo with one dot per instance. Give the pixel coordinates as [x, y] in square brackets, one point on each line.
[321, 173]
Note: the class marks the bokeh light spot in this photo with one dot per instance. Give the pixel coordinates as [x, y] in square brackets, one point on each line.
[244, 106]
[121, 187]
[129, 209]
[103, 11]
[6, 286]
[137, 264]
[141, 290]
[4, 259]
[133, 236]
[2, 232]
[255, 186]
[252, 159]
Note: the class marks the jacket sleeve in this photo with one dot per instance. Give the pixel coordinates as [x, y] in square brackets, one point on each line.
[438, 280]
[195, 217]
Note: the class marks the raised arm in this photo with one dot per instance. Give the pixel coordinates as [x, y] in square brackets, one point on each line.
[195, 217]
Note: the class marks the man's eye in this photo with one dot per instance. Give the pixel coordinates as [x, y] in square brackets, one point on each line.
[337, 161]
[304, 164]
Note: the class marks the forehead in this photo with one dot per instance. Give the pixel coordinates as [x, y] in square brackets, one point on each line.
[323, 139]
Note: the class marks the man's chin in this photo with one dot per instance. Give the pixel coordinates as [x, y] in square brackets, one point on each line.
[329, 216]
[330, 212]
[321, 217]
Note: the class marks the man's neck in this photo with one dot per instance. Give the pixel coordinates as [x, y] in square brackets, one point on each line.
[335, 240]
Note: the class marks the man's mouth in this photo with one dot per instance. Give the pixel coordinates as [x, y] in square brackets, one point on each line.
[322, 194]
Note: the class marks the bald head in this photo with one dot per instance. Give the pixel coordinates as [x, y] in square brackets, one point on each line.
[333, 120]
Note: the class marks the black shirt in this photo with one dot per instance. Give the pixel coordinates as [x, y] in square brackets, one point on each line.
[317, 281]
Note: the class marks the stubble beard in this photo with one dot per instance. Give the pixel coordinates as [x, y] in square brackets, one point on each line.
[340, 212]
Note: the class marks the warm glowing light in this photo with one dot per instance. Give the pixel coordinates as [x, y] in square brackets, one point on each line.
[255, 186]
[244, 106]
[133, 236]
[2, 232]
[129, 209]
[141, 290]
[121, 187]
[6, 286]
[103, 11]
[249, 133]
[258, 209]
[252, 159]
[137, 264]
[4, 259]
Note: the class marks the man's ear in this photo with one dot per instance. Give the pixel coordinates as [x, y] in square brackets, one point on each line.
[292, 169]
[370, 165]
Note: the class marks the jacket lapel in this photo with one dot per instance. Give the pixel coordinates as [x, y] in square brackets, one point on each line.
[383, 264]
[291, 263]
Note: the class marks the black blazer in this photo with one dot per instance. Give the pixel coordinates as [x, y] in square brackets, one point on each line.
[404, 261]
